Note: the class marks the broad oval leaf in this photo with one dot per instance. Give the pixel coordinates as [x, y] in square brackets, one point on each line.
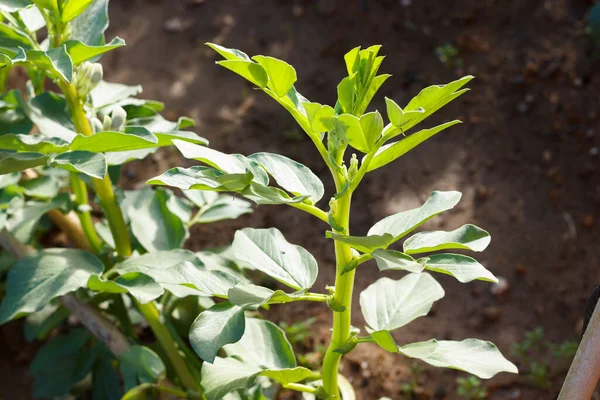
[402, 223]
[226, 163]
[388, 304]
[282, 75]
[252, 71]
[229, 54]
[467, 237]
[395, 260]
[153, 222]
[392, 151]
[263, 350]
[139, 364]
[35, 280]
[81, 52]
[463, 268]
[180, 272]
[203, 178]
[133, 138]
[261, 194]
[317, 114]
[73, 8]
[90, 164]
[366, 244]
[90, 25]
[253, 296]
[32, 143]
[291, 175]
[433, 98]
[222, 324]
[372, 126]
[478, 357]
[267, 251]
[14, 162]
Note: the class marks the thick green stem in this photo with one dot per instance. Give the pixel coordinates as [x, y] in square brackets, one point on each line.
[81, 200]
[344, 284]
[103, 187]
[161, 332]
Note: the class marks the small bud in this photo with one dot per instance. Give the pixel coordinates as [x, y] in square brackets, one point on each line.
[106, 123]
[119, 115]
[96, 74]
[96, 125]
[353, 167]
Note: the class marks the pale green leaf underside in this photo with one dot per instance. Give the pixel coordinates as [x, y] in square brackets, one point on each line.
[267, 251]
[388, 304]
[262, 350]
[478, 357]
[395, 260]
[467, 237]
[253, 296]
[404, 222]
[463, 268]
[85, 162]
[222, 324]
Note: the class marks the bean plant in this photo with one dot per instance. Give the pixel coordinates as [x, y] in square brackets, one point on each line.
[239, 349]
[63, 143]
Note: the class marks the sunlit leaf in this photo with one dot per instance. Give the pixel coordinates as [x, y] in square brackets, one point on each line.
[467, 237]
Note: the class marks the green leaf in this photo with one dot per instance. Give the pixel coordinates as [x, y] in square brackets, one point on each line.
[42, 187]
[369, 93]
[402, 223]
[392, 260]
[291, 175]
[32, 143]
[23, 221]
[134, 138]
[55, 60]
[203, 178]
[143, 288]
[253, 296]
[390, 152]
[153, 224]
[140, 365]
[90, 25]
[214, 207]
[317, 114]
[282, 75]
[365, 244]
[350, 126]
[269, 195]
[14, 5]
[61, 363]
[14, 162]
[35, 280]
[39, 325]
[372, 126]
[90, 164]
[346, 94]
[397, 116]
[12, 38]
[73, 8]
[252, 71]
[267, 251]
[467, 237]
[12, 114]
[432, 99]
[263, 350]
[122, 157]
[463, 268]
[81, 52]
[477, 357]
[221, 324]
[9, 179]
[229, 54]
[106, 383]
[180, 272]
[388, 304]
[224, 162]
[50, 113]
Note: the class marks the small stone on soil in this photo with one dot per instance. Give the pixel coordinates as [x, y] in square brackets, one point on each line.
[588, 221]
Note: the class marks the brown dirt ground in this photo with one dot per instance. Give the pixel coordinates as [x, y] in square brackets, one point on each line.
[523, 159]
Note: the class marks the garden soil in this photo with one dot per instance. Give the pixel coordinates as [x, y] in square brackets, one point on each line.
[526, 157]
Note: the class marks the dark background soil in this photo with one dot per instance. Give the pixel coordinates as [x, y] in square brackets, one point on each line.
[526, 157]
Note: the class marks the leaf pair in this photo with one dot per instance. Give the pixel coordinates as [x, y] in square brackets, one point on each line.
[389, 304]
[244, 175]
